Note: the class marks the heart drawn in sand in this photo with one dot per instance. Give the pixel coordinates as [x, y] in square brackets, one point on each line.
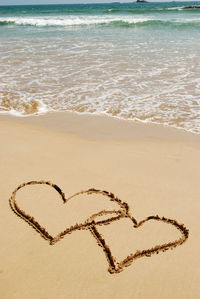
[118, 266]
[84, 225]
[93, 222]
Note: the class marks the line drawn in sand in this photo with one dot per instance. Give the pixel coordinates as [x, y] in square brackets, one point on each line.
[92, 224]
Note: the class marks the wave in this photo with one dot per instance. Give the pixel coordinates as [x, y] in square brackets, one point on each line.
[99, 21]
[5, 23]
[70, 21]
[143, 10]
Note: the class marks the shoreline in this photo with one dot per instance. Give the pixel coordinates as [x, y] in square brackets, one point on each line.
[100, 127]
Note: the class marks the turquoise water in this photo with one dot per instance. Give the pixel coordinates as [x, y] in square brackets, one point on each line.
[131, 61]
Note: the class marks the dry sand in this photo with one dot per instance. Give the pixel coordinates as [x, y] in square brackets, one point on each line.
[155, 170]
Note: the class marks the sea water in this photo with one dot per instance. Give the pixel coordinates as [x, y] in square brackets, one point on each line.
[131, 61]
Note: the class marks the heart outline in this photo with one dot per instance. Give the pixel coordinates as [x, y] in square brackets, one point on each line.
[85, 225]
[91, 225]
[117, 267]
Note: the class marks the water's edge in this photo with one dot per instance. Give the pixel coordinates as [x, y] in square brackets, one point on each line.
[102, 127]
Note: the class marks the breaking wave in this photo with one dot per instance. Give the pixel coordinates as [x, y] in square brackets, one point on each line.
[4, 23]
[119, 21]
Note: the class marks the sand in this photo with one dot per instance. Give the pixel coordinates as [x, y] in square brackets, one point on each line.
[154, 170]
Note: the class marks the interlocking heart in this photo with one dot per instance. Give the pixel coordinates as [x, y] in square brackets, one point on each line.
[96, 220]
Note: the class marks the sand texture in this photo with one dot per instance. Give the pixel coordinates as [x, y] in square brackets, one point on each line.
[98, 208]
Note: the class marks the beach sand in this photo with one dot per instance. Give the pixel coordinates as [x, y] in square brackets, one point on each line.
[155, 170]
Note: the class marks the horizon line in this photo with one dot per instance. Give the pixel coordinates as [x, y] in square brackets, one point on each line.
[113, 2]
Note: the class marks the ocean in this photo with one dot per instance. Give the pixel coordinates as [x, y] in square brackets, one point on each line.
[138, 62]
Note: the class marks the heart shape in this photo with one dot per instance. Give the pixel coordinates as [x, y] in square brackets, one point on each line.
[85, 225]
[92, 223]
[117, 267]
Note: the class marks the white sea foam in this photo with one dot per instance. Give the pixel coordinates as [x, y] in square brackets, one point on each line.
[73, 20]
[176, 8]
